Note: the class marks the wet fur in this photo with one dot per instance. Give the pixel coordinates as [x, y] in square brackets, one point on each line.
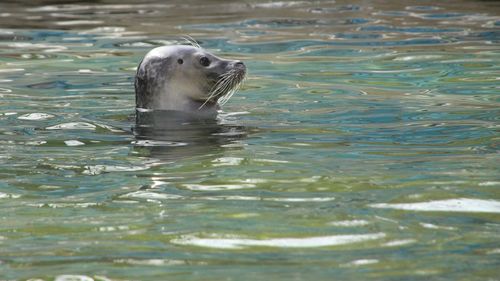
[147, 84]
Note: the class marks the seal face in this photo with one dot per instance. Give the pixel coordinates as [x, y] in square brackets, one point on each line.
[186, 78]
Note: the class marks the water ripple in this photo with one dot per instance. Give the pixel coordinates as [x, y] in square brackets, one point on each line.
[35, 116]
[349, 109]
[307, 242]
[465, 205]
[215, 187]
[73, 126]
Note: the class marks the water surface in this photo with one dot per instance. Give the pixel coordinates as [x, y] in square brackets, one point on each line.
[364, 144]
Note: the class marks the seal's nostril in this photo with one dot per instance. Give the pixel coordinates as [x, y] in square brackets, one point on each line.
[239, 64]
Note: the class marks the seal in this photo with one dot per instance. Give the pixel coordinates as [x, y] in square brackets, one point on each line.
[187, 79]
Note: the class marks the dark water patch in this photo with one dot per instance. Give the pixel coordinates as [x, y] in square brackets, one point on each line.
[14, 37]
[357, 21]
[357, 35]
[417, 29]
[51, 85]
[264, 24]
[392, 13]
[275, 47]
[439, 16]
[488, 35]
[422, 8]
[285, 23]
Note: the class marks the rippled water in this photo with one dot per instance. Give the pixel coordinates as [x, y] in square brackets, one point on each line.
[364, 144]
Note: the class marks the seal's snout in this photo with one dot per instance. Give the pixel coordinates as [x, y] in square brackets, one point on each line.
[240, 70]
[239, 65]
[228, 82]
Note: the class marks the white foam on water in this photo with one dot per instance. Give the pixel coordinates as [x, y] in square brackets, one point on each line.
[154, 262]
[150, 195]
[113, 228]
[73, 126]
[465, 205]
[279, 4]
[203, 187]
[255, 198]
[270, 161]
[73, 143]
[68, 277]
[348, 223]
[70, 205]
[307, 242]
[8, 195]
[362, 262]
[489, 183]
[37, 116]
[493, 251]
[227, 161]
[8, 70]
[433, 226]
[79, 22]
[232, 197]
[158, 143]
[101, 278]
[401, 242]
[98, 169]
[419, 57]
[297, 199]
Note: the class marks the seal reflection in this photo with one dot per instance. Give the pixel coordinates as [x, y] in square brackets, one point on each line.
[171, 135]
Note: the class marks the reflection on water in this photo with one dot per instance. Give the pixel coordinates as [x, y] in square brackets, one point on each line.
[235, 243]
[450, 205]
[171, 135]
[364, 144]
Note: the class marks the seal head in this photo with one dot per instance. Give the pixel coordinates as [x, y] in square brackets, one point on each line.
[186, 78]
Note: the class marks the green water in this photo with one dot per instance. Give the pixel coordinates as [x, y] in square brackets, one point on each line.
[364, 144]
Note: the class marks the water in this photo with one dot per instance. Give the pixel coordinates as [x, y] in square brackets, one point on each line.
[364, 144]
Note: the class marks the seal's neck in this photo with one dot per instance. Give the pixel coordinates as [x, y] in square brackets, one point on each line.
[180, 99]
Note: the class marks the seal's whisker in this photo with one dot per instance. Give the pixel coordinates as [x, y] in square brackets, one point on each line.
[221, 86]
[218, 87]
[228, 96]
[223, 82]
[237, 81]
[235, 86]
[220, 83]
[226, 86]
[191, 41]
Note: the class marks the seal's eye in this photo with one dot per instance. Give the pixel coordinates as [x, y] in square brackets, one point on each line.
[204, 61]
[180, 61]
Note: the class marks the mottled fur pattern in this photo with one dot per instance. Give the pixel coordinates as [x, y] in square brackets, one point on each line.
[149, 83]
